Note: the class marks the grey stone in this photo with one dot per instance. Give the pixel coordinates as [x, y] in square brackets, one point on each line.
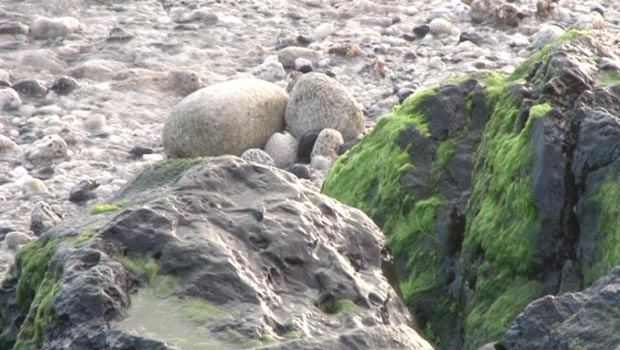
[251, 236]
[318, 102]
[584, 320]
[288, 55]
[225, 118]
[42, 218]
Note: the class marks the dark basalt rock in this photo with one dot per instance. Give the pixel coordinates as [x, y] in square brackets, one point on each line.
[289, 267]
[569, 321]
[495, 191]
[30, 88]
[64, 85]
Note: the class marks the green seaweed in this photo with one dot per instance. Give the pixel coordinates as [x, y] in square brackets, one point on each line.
[142, 266]
[365, 170]
[542, 57]
[36, 287]
[103, 208]
[159, 174]
[200, 312]
[502, 220]
[81, 238]
[490, 317]
[604, 201]
[607, 78]
[339, 306]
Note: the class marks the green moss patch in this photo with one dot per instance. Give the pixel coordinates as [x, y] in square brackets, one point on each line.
[490, 318]
[84, 237]
[605, 202]
[159, 174]
[541, 57]
[361, 168]
[340, 306]
[35, 290]
[502, 220]
[608, 78]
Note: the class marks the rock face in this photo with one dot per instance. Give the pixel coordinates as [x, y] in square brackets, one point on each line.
[244, 253]
[226, 118]
[318, 102]
[568, 321]
[496, 190]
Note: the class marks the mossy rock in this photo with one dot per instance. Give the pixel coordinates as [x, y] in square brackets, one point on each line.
[478, 201]
[158, 174]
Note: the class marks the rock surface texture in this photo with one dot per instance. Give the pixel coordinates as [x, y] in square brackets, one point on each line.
[226, 118]
[246, 253]
[496, 190]
[570, 321]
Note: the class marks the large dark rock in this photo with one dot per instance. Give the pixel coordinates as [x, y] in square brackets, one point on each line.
[243, 253]
[496, 190]
[586, 320]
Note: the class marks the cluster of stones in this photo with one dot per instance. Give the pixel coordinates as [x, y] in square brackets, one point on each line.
[260, 122]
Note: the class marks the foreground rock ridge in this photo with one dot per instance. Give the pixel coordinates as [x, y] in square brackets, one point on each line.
[495, 190]
[247, 255]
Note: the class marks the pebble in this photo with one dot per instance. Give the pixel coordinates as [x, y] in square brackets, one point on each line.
[64, 85]
[138, 151]
[257, 155]
[327, 144]
[50, 28]
[30, 87]
[48, 148]
[305, 146]
[5, 75]
[7, 145]
[13, 28]
[320, 162]
[302, 171]
[282, 148]
[322, 31]
[94, 123]
[83, 191]
[42, 218]
[592, 21]
[271, 70]
[403, 93]
[288, 55]
[184, 82]
[436, 63]
[14, 239]
[545, 35]
[154, 157]
[421, 31]
[18, 172]
[5, 227]
[119, 34]
[440, 26]
[9, 99]
[33, 185]
[519, 40]
[44, 173]
[303, 65]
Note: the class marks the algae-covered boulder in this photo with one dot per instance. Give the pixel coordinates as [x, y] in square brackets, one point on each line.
[495, 190]
[207, 254]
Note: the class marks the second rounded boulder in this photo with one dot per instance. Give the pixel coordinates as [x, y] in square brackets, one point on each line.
[318, 102]
[225, 118]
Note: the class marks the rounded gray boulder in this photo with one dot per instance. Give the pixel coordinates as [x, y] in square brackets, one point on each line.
[225, 118]
[318, 102]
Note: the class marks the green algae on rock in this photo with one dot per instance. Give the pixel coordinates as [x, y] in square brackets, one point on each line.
[482, 203]
[35, 290]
